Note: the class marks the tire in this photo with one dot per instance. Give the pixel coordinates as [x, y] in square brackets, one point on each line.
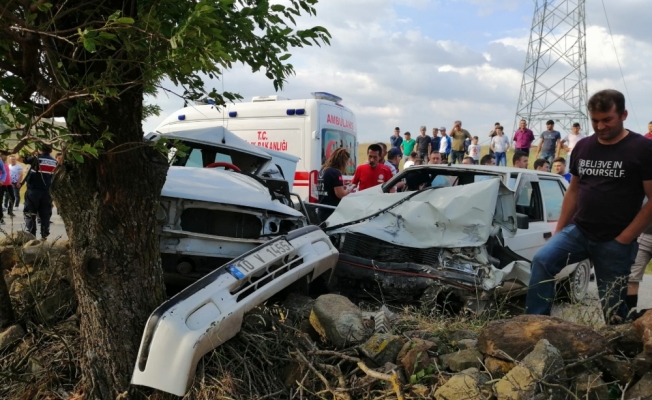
[576, 286]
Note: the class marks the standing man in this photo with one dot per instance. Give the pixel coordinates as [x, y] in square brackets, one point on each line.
[396, 140]
[7, 188]
[649, 129]
[493, 133]
[445, 145]
[549, 143]
[407, 146]
[423, 144]
[520, 159]
[385, 162]
[500, 145]
[37, 197]
[16, 172]
[373, 173]
[435, 142]
[523, 138]
[458, 135]
[602, 212]
[570, 141]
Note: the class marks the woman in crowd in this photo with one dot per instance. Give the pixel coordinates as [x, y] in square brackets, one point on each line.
[331, 184]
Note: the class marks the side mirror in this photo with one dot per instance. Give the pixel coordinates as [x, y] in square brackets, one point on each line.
[522, 221]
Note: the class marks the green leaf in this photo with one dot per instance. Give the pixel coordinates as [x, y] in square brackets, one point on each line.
[284, 57]
[78, 157]
[89, 45]
[125, 20]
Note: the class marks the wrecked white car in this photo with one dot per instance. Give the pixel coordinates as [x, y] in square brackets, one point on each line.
[466, 233]
[222, 197]
[210, 311]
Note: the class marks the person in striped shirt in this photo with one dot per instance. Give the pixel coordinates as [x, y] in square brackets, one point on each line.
[37, 197]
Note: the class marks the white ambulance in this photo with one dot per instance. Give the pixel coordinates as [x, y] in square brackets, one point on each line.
[310, 129]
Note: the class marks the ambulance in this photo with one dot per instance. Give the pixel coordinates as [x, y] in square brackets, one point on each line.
[310, 129]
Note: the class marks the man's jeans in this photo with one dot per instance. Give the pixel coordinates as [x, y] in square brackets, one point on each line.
[501, 158]
[457, 156]
[549, 157]
[612, 262]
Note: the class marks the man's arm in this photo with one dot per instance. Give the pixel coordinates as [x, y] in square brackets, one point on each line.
[539, 146]
[569, 205]
[558, 148]
[641, 222]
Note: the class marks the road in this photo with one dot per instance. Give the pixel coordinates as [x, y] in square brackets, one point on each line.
[590, 311]
[57, 230]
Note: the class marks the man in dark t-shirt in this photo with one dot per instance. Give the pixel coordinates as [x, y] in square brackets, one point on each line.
[602, 213]
[423, 144]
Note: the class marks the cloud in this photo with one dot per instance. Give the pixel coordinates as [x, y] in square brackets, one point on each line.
[395, 67]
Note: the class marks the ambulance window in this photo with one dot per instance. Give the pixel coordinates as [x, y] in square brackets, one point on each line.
[333, 139]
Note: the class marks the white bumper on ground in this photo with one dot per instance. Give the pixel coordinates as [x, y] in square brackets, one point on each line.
[210, 311]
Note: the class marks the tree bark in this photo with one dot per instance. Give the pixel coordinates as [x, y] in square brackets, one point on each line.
[6, 310]
[108, 206]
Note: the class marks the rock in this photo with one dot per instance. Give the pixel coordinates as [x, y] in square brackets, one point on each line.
[414, 356]
[467, 344]
[298, 306]
[382, 348]
[18, 238]
[465, 385]
[461, 334]
[642, 390]
[422, 334]
[338, 320]
[623, 337]
[306, 327]
[642, 363]
[520, 382]
[643, 327]
[591, 386]
[617, 368]
[516, 337]
[11, 335]
[497, 368]
[463, 359]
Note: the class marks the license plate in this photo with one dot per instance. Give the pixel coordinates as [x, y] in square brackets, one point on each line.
[259, 259]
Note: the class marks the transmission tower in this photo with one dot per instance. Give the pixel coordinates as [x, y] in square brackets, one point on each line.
[554, 83]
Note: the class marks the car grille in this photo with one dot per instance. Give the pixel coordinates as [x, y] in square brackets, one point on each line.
[221, 223]
[371, 248]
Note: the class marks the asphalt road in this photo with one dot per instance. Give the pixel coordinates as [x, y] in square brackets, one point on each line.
[57, 230]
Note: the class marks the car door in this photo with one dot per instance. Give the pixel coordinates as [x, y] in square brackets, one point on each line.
[529, 201]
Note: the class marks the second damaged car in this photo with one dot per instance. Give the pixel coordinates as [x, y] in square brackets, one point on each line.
[461, 233]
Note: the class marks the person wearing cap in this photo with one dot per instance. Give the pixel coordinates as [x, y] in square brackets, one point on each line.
[407, 147]
[445, 145]
[37, 197]
[549, 144]
[395, 140]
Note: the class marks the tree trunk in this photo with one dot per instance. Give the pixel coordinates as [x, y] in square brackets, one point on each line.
[108, 206]
[6, 311]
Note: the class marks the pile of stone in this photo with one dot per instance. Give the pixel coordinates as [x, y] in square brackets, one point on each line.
[527, 357]
[38, 279]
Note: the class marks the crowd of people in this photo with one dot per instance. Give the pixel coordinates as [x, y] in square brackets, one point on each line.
[37, 205]
[604, 210]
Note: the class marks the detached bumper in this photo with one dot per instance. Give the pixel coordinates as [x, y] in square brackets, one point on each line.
[210, 311]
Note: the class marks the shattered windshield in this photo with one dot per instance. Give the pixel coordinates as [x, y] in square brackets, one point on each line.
[200, 155]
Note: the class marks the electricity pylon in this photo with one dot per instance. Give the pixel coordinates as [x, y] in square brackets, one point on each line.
[554, 83]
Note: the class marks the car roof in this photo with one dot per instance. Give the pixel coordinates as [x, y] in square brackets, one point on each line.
[495, 170]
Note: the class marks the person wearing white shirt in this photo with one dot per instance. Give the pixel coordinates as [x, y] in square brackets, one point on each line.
[571, 140]
[500, 145]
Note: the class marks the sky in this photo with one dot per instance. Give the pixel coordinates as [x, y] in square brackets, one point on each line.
[409, 63]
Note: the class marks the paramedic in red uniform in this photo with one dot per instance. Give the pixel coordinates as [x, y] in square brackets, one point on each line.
[37, 197]
[373, 173]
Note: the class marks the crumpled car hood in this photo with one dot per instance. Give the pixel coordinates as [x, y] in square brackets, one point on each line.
[224, 187]
[457, 216]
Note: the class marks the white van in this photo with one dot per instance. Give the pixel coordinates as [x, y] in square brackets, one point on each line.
[309, 129]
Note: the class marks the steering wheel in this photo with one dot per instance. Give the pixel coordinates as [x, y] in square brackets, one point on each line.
[226, 166]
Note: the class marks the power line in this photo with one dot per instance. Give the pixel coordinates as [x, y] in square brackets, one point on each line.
[613, 43]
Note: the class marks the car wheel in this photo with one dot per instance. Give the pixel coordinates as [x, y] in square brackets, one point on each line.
[575, 288]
